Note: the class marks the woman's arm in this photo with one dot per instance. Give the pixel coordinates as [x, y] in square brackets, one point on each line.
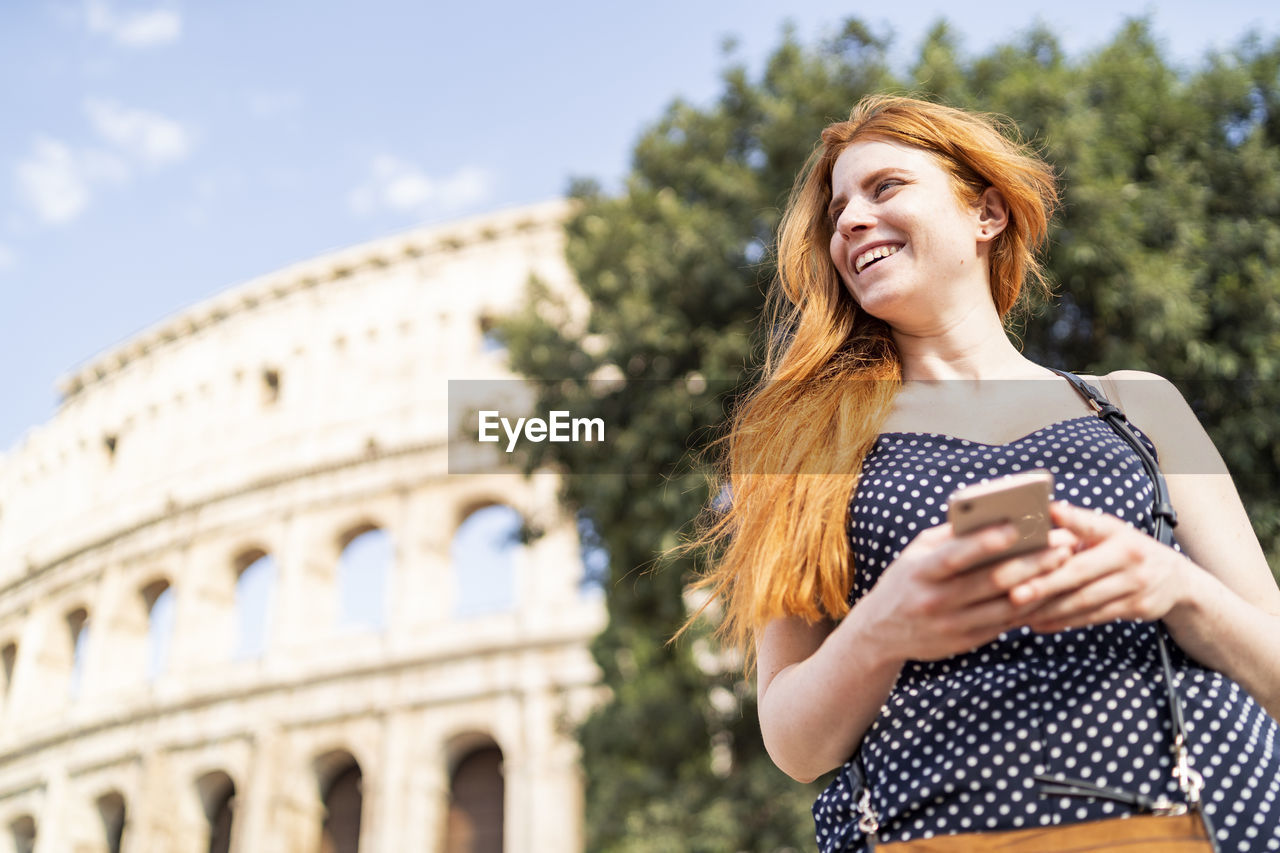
[1223, 607]
[822, 685]
[820, 688]
[1229, 616]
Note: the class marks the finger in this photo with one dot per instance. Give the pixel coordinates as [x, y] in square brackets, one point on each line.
[1074, 607]
[967, 551]
[935, 535]
[1080, 569]
[1092, 527]
[983, 622]
[996, 580]
[928, 540]
[1060, 537]
[1118, 608]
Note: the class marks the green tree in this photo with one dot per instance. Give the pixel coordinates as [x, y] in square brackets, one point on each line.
[1166, 259]
[1165, 253]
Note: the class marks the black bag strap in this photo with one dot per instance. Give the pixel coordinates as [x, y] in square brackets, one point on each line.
[1162, 510]
[1166, 519]
[1189, 781]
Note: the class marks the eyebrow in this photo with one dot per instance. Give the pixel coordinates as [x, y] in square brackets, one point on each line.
[867, 181]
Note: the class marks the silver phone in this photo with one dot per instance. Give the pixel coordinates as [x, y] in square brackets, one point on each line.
[1022, 499]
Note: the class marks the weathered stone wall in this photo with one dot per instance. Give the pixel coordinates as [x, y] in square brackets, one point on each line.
[281, 418]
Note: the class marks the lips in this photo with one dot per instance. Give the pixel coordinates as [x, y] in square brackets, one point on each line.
[867, 257]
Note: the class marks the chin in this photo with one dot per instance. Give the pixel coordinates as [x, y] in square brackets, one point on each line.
[878, 306]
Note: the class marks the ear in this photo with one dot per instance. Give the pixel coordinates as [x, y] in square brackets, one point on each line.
[993, 215]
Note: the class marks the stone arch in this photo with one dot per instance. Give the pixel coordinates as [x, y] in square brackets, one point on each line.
[255, 580]
[464, 741]
[341, 787]
[217, 793]
[484, 553]
[8, 661]
[111, 808]
[20, 834]
[157, 598]
[366, 564]
[491, 341]
[77, 644]
[594, 555]
[472, 504]
[477, 795]
[128, 646]
[359, 528]
[246, 556]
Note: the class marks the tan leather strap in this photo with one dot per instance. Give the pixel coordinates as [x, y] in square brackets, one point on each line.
[1137, 834]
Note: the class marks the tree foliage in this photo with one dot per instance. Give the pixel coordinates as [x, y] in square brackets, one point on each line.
[1166, 258]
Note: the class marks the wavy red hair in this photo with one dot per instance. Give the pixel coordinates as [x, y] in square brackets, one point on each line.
[796, 444]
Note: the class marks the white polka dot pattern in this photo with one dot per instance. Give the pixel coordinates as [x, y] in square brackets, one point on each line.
[958, 741]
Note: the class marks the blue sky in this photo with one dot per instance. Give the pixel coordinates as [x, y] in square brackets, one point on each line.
[155, 152]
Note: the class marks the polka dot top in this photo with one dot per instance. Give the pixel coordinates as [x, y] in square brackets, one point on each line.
[956, 745]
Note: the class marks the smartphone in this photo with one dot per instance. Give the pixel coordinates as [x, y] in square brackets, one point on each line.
[1021, 498]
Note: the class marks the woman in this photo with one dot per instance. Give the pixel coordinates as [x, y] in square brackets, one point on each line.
[878, 631]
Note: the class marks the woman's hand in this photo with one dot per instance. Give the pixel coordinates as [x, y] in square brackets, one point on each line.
[938, 599]
[821, 685]
[1117, 572]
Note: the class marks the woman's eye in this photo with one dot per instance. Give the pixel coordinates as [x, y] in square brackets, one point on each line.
[835, 216]
[884, 185]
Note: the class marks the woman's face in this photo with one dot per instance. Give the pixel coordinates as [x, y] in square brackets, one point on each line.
[908, 250]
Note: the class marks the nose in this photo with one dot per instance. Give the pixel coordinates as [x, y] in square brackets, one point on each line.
[855, 217]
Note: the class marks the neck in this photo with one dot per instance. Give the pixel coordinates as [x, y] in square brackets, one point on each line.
[974, 346]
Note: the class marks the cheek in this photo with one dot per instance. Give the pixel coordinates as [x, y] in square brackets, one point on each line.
[835, 251]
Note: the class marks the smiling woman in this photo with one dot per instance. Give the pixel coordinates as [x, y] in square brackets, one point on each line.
[895, 201]
[958, 692]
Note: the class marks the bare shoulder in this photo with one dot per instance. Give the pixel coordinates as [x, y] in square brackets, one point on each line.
[1146, 392]
[1156, 406]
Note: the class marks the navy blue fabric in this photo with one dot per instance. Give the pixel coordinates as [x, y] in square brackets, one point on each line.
[956, 745]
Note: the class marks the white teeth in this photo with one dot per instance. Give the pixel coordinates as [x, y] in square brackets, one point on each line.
[873, 255]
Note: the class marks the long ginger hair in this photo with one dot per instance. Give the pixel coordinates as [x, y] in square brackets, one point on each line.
[796, 443]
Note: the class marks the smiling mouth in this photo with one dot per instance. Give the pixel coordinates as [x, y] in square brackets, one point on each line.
[870, 256]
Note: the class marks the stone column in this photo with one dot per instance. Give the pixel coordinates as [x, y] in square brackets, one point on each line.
[154, 816]
[42, 671]
[519, 781]
[423, 580]
[373, 834]
[116, 652]
[53, 821]
[392, 815]
[428, 798]
[402, 582]
[557, 799]
[304, 600]
[204, 626]
[281, 811]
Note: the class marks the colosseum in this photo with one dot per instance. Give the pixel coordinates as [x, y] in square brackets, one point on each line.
[244, 604]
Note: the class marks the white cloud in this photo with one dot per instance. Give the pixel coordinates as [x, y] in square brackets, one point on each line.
[402, 187]
[57, 181]
[133, 29]
[154, 139]
[53, 182]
